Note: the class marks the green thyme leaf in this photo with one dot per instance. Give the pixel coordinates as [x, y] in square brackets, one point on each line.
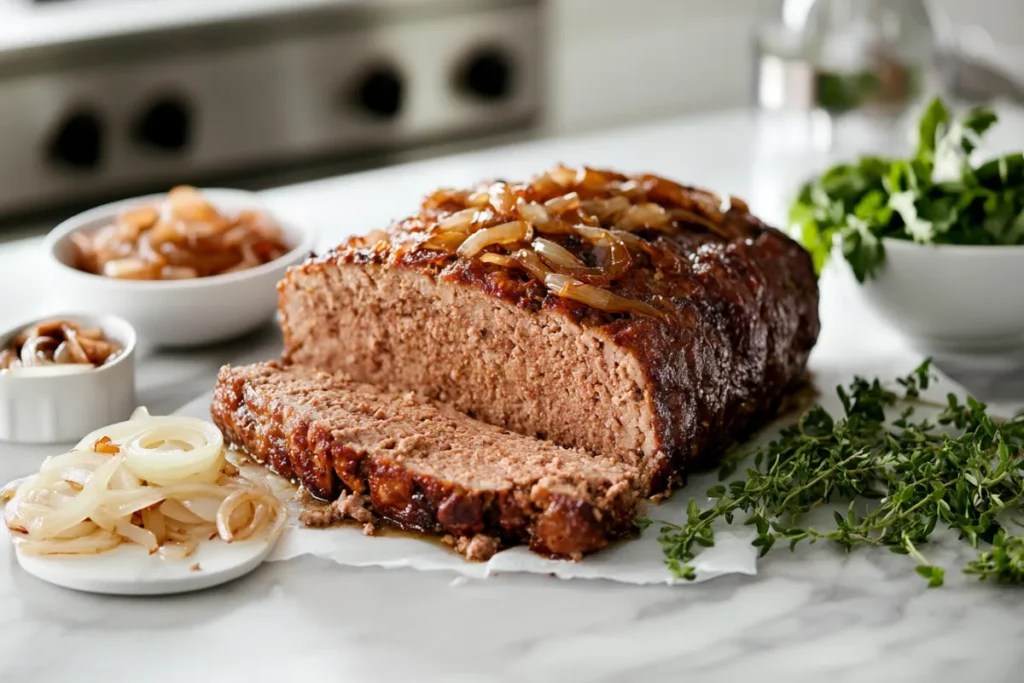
[935, 575]
[897, 476]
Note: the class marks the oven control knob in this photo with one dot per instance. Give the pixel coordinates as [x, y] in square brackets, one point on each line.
[379, 92]
[486, 74]
[165, 125]
[77, 142]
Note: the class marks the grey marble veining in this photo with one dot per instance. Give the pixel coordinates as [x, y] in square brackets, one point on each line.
[814, 615]
[857, 618]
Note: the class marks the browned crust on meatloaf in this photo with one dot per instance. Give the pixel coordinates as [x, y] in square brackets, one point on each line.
[334, 435]
[738, 300]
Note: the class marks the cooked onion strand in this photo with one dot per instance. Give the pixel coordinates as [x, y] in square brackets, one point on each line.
[159, 482]
[506, 233]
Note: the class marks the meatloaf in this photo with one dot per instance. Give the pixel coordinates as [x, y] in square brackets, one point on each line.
[424, 466]
[629, 316]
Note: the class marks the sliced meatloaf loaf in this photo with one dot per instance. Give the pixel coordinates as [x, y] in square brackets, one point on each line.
[626, 315]
[424, 466]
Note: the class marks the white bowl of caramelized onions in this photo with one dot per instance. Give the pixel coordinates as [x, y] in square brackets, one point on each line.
[186, 268]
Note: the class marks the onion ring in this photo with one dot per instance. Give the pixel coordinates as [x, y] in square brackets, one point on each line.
[158, 482]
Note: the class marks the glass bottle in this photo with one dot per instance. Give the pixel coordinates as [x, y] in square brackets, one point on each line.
[863, 60]
[835, 79]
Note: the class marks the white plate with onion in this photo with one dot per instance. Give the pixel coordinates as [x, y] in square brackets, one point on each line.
[144, 507]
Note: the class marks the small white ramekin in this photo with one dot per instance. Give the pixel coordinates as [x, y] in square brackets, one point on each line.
[66, 407]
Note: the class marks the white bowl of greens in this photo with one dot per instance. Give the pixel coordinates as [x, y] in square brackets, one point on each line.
[936, 241]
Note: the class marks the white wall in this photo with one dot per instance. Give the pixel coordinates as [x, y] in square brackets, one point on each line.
[615, 61]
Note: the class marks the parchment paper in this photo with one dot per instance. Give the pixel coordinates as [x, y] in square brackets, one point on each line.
[638, 561]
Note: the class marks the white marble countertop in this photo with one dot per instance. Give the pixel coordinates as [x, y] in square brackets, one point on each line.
[862, 617]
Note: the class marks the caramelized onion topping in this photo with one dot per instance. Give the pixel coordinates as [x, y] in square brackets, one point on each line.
[606, 211]
[502, 198]
[646, 216]
[617, 260]
[460, 221]
[506, 233]
[447, 242]
[563, 261]
[533, 213]
[565, 177]
[686, 216]
[531, 263]
[183, 237]
[560, 205]
[555, 254]
[567, 288]
[58, 342]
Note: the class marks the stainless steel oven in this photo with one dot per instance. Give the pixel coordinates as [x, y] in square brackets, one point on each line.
[100, 98]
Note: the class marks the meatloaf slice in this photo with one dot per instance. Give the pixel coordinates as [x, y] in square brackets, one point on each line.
[626, 315]
[424, 466]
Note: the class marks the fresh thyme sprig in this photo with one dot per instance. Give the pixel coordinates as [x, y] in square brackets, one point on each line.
[964, 470]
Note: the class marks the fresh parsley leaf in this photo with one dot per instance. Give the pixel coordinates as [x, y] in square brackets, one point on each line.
[903, 203]
[935, 197]
[862, 248]
[978, 121]
[933, 121]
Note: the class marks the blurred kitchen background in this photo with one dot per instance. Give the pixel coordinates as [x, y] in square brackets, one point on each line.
[101, 99]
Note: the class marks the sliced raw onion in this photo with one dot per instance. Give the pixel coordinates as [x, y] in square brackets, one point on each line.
[174, 452]
[10, 488]
[97, 542]
[204, 508]
[176, 510]
[164, 450]
[154, 522]
[145, 538]
[148, 481]
[78, 509]
[226, 511]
